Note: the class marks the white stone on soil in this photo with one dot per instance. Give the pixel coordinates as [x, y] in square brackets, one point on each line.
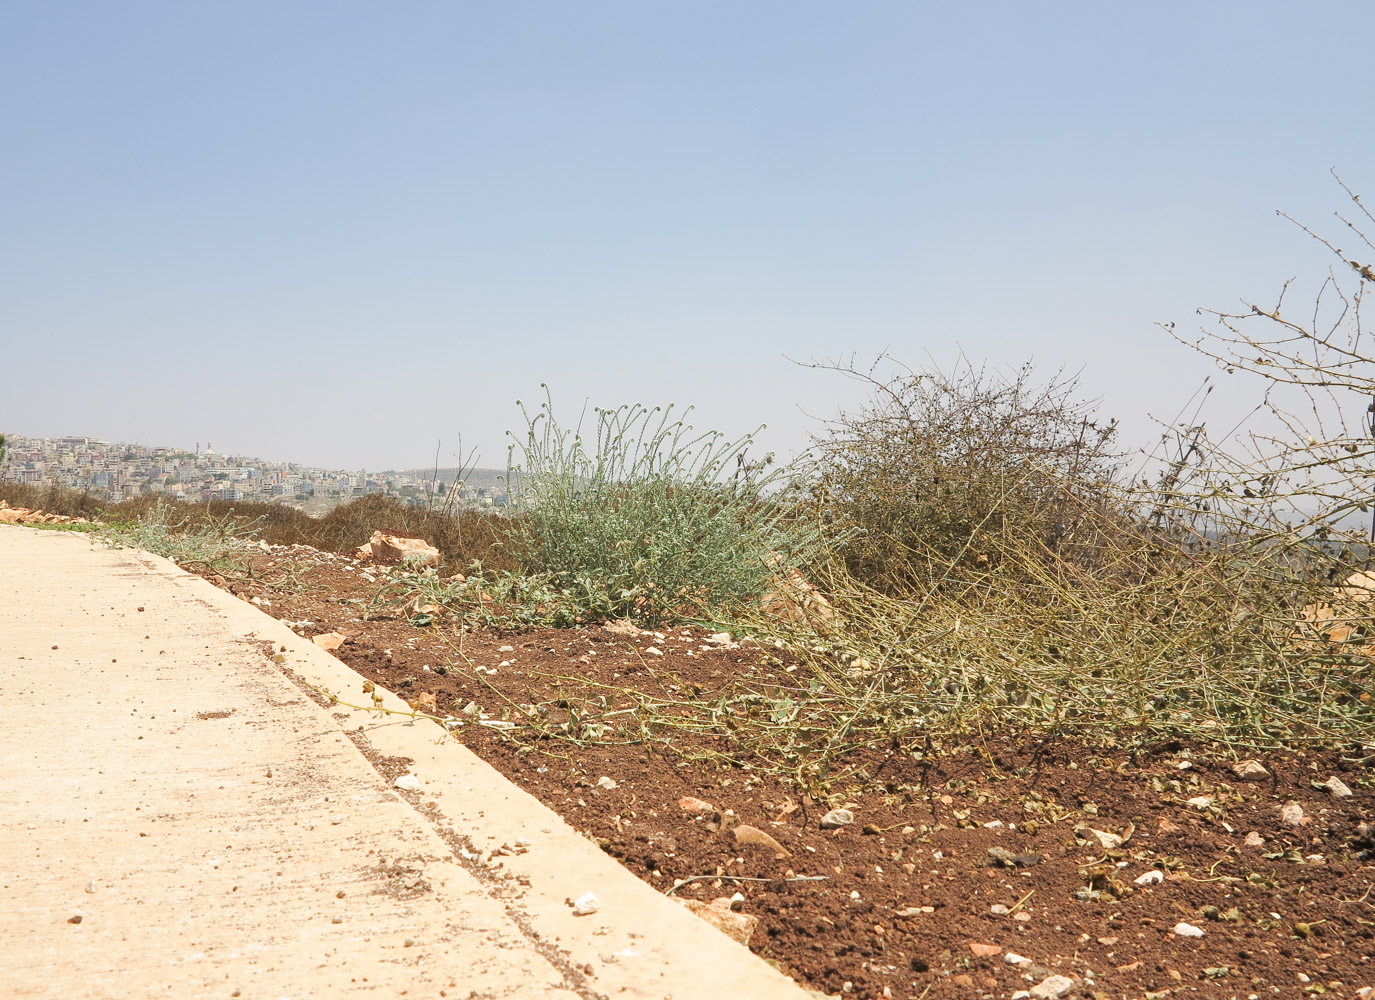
[1052, 988]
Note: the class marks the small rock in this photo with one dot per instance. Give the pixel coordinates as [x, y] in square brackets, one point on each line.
[1012, 958]
[984, 950]
[721, 914]
[837, 818]
[335, 819]
[586, 904]
[1052, 988]
[90, 887]
[1002, 856]
[75, 918]
[1254, 839]
[1188, 930]
[387, 549]
[329, 642]
[1201, 801]
[719, 638]
[408, 943]
[689, 804]
[746, 834]
[1250, 770]
[1021, 995]
[1338, 787]
[653, 651]
[1291, 814]
[407, 783]
[1149, 878]
[995, 824]
[999, 909]
[1022, 917]
[962, 980]
[605, 783]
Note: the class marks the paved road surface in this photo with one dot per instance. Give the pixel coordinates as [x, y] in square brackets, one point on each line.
[181, 818]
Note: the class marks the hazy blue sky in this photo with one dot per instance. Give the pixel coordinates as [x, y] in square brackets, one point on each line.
[337, 232]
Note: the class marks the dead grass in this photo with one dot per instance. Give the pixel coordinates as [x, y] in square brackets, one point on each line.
[462, 536]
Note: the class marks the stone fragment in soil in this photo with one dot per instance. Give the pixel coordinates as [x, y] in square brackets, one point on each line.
[1337, 787]
[1188, 930]
[746, 834]
[1250, 770]
[837, 818]
[407, 783]
[605, 783]
[1051, 988]
[329, 642]
[721, 915]
[690, 804]
[1291, 814]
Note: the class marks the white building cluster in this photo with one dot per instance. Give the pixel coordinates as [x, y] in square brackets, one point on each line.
[121, 471]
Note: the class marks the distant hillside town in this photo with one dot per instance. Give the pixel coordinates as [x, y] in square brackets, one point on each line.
[122, 471]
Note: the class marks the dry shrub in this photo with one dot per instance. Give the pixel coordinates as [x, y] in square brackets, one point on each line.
[462, 536]
[1008, 576]
[53, 499]
[939, 475]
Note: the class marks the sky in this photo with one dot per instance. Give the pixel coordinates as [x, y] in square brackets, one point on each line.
[348, 234]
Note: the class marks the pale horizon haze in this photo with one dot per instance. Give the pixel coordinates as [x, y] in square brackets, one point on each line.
[337, 233]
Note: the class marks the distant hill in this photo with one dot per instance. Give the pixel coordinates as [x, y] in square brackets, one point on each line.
[474, 477]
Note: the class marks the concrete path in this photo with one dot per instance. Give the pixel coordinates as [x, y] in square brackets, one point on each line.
[180, 817]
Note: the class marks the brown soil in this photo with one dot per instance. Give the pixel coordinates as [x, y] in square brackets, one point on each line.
[908, 901]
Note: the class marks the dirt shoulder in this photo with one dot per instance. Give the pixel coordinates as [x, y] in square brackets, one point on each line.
[980, 869]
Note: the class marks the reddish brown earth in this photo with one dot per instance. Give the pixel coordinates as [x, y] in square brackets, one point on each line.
[907, 901]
